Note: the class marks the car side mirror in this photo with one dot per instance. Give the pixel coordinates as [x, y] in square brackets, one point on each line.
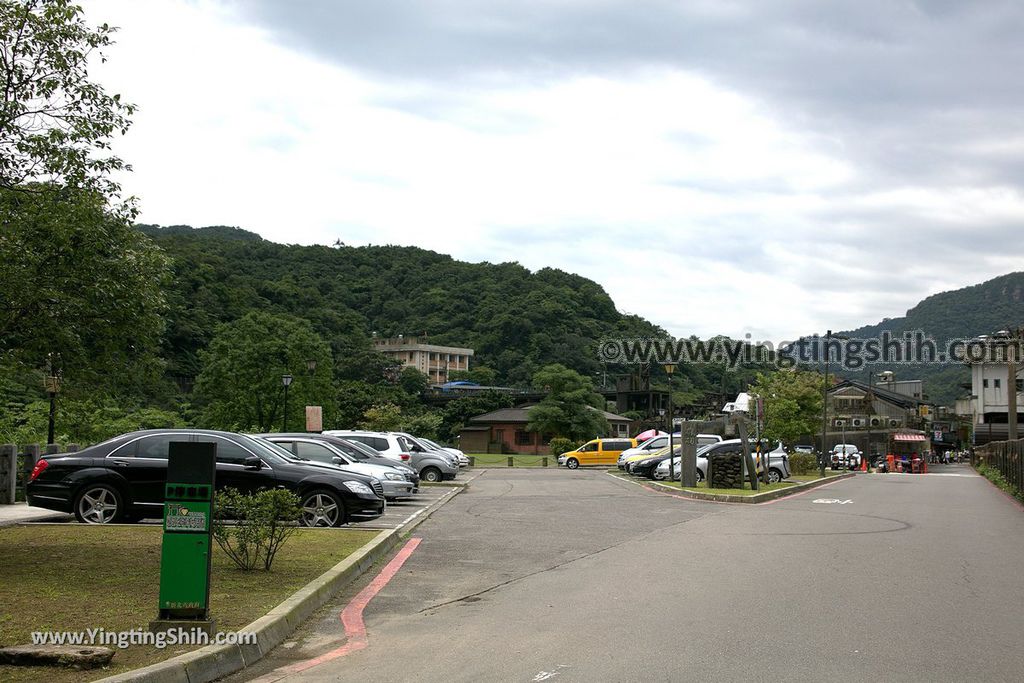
[253, 463]
[338, 461]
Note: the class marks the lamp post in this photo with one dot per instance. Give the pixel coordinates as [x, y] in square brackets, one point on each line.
[311, 366]
[670, 369]
[286, 380]
[52, 384]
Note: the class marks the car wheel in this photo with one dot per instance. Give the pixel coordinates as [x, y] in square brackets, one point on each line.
[774, 476]
[657, 476]
[700, 476]
[572, 463]
[322, 508]
[99, 504]
[431, 474]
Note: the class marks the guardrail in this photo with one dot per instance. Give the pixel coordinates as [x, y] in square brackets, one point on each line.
[16, 464]
[1005, 456]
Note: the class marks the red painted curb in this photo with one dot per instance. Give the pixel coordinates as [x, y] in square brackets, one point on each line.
[351, 618]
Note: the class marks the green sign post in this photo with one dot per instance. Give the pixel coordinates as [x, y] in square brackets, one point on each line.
[186, 551]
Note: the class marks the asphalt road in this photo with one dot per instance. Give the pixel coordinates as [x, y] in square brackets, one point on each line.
[575, 576]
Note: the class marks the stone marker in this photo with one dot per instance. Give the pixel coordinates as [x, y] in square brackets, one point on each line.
[72, 656]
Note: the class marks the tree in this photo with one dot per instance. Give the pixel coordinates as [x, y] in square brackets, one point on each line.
[792, 403]
[76, 280]
[571, 409]
[55, 124]
[413, 382]
[240, 384]
[385, 417]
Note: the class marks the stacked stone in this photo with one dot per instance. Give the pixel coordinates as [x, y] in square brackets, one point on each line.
[726, 471]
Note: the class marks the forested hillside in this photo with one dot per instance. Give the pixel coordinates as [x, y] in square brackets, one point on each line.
[962, 313]
[515, 320]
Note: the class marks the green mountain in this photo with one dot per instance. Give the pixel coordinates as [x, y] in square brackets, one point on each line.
[516, 320]
[963, 313]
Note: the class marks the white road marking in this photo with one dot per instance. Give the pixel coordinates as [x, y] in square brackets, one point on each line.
[831, 501]
[547, 675]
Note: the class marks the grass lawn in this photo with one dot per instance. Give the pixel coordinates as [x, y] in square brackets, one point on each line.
[73, 577]
[499, 460]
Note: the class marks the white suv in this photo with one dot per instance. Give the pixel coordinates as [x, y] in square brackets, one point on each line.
[433, 466]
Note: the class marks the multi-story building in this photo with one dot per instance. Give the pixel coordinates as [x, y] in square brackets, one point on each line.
[434, 361]
[988, 406]
[872, 417]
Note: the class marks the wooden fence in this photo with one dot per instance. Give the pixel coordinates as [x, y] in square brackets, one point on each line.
[1006, 457]
[16, 464]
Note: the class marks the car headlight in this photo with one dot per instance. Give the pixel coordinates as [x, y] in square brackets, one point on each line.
[358, 487]
[394, 476]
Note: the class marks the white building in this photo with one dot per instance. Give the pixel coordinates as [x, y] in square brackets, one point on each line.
[436, 362]
[988, 404]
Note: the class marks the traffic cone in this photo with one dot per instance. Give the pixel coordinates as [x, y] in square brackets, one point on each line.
[863, 464]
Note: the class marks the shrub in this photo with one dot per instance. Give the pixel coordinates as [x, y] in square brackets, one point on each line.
[803, 463]
[560, 445]
[262, 522]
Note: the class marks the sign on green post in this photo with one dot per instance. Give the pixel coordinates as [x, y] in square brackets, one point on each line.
[186, 551]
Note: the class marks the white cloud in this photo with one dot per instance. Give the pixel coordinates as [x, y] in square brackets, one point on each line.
[705, 209]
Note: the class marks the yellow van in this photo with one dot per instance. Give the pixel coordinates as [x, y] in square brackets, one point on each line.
[596, 452]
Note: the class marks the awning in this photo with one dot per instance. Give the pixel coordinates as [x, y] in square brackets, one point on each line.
[909, 437]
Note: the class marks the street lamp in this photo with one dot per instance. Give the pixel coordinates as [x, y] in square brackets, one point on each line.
[286, 380]
[311, 366]
[52, 385]
[669, 370]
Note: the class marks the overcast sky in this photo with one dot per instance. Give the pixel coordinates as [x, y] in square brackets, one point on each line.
[772, 168]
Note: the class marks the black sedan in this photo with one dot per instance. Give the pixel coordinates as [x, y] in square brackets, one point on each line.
[123, 479]
[648, 466]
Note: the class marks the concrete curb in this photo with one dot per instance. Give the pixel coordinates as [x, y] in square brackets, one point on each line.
[750, 500]
[216, 661]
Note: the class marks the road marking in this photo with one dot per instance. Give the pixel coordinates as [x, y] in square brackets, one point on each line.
[831, 501]
[547, 675]
[351, 617]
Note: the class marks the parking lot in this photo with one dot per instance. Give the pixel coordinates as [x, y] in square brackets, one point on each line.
[535, 573]
[402, 511]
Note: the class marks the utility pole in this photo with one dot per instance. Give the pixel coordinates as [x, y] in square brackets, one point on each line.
[1011, 381]
[824, 410]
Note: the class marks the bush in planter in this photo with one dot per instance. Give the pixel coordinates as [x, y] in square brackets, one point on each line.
[559, 445]
[803, 463]
[252, 527]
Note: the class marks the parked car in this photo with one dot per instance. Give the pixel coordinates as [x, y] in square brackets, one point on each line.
[432, 466]
[363, 453]
[803, 448]
[845, 455]
[646, 447]
[647, 466]
[463, 460]
[662, 473]
[778, 464]
[596, 452]
[123, 479]
[661, 441]
[397, 484]
[418, 446]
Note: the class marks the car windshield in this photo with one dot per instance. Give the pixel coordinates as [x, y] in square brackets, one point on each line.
[362, 451]
[268, 450]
